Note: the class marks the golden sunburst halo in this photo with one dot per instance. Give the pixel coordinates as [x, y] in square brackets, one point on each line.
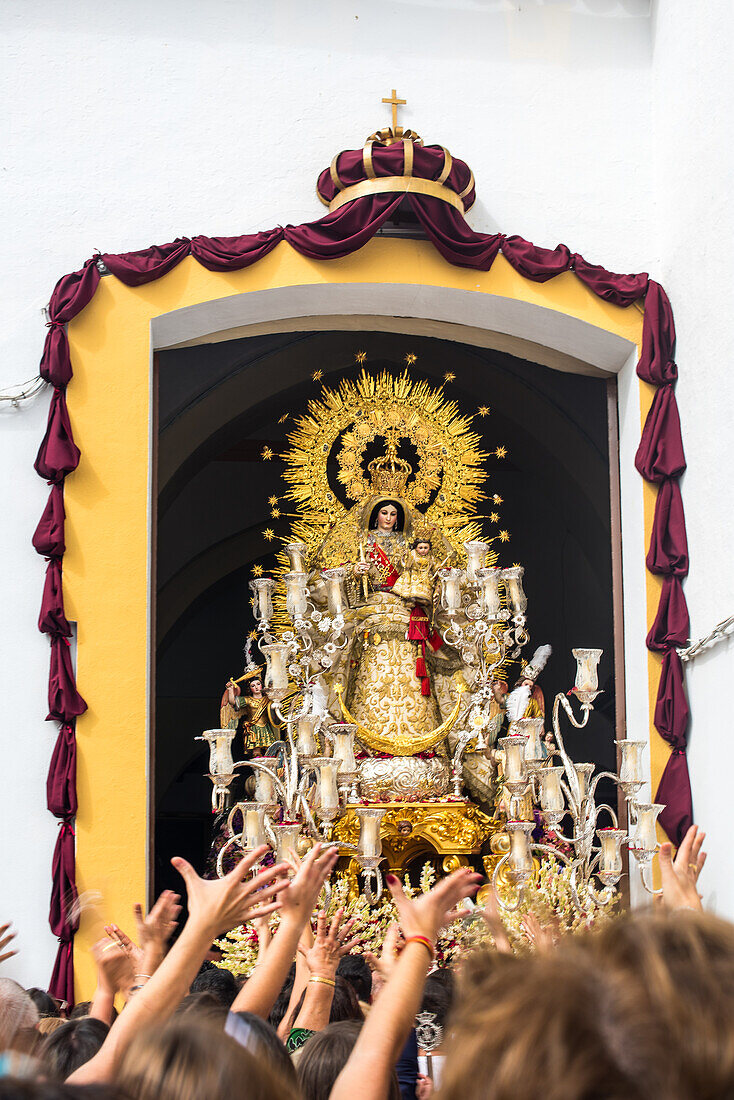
[266, 453]
[501, 452]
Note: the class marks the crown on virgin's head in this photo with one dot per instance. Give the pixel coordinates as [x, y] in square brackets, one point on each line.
[389, 474]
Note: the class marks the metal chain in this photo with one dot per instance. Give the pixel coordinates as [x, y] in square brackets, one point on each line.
[24, 390]
[720, 632]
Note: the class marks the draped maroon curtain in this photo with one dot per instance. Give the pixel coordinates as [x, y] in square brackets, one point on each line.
[660, 458]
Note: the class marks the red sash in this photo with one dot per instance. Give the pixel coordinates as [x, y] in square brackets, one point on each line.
[388, 572]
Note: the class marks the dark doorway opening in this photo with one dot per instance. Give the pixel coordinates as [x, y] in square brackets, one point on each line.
[222, 405]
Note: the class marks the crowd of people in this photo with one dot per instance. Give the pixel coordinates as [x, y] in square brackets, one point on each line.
[639, 1008]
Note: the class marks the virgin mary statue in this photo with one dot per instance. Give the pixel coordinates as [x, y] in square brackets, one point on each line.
[395, 678]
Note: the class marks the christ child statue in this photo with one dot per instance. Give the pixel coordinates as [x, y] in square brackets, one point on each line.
[415, 583]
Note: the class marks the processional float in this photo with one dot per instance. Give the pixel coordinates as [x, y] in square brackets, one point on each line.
[388, 631]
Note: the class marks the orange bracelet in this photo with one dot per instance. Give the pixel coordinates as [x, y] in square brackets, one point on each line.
[425, 941]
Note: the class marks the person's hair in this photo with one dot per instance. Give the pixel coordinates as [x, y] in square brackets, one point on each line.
[356, 971]
[278, 1011]
[247, 685]
[437, 998]
[219, 983]
[13, 1088]
[48, 1024]
[324, 1056]
[399, 522]
[416, 542]
[72, 1045]
[43, 1001]
[190, 1060]
[203, 1006]
[344, 1004]
[263, 1042]
[80, 1010]
[640, 1008]
[17, 1011]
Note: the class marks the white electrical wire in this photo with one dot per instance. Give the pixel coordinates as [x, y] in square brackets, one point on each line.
[24, 390]
[720, 632]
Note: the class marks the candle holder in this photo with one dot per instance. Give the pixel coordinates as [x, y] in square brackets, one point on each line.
[333, 580]
[610, 855]
[532, 729]
[307, 744]
[516, 776]
[327, 805]
[297, 554]
[476, 553]
[512, 580]
[296, 595]
[262, 604]
[587, 677]
[451, 580]
[369, 849]
[276, 671]
[631, 775]
[285, 836]
[490, 601]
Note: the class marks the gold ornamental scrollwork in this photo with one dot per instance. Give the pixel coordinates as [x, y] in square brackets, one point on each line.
[449, 829]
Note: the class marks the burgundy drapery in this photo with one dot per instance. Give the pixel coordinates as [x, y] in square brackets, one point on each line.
[659, 459]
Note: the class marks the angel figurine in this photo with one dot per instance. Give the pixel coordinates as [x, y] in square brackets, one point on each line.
[260, 728]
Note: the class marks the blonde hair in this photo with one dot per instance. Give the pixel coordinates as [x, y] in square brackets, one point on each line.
[642, 1008]
[47, 1024]
[190, 1060]
[17, 1011]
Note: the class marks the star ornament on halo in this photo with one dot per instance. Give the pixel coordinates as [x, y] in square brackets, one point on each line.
[410, 358]
[497, 499]
[275, 513]
[483, 410]
[449, 376]
[360, 357]
[266, 453]
[272, 501]
[317, 375]
[494, 517]
[504, 536]
[501, 452]
[282, 419]
[257, 571]
[269, 534]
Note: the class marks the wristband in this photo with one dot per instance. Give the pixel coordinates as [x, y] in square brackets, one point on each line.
[324, 981]
[428, 944]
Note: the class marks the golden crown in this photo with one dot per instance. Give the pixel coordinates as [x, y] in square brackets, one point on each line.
[389, 474]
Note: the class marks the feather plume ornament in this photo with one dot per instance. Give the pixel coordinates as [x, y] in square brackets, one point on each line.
[517, 702]
[537, 663]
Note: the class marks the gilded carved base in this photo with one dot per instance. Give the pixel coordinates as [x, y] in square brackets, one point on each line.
[450, 829]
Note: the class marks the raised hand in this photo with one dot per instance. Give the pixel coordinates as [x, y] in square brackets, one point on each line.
[221, 904]
[427, 914]
[298, 901]
[155, 930]
[383, 965]
[680, 875]
[491, 917]
[115, 968]
[6, 937]
[330, 945]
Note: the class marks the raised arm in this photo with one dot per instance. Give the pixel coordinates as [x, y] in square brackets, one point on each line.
[259, 993]
[215, 906]
[332, 942]
[367, 1072]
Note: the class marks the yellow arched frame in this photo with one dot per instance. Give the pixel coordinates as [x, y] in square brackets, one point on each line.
[106, 568]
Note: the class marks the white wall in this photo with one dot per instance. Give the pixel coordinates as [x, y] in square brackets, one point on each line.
[693, 164]
[131, 122]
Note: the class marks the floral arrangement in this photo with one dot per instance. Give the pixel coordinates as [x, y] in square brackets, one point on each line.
[549, 898]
